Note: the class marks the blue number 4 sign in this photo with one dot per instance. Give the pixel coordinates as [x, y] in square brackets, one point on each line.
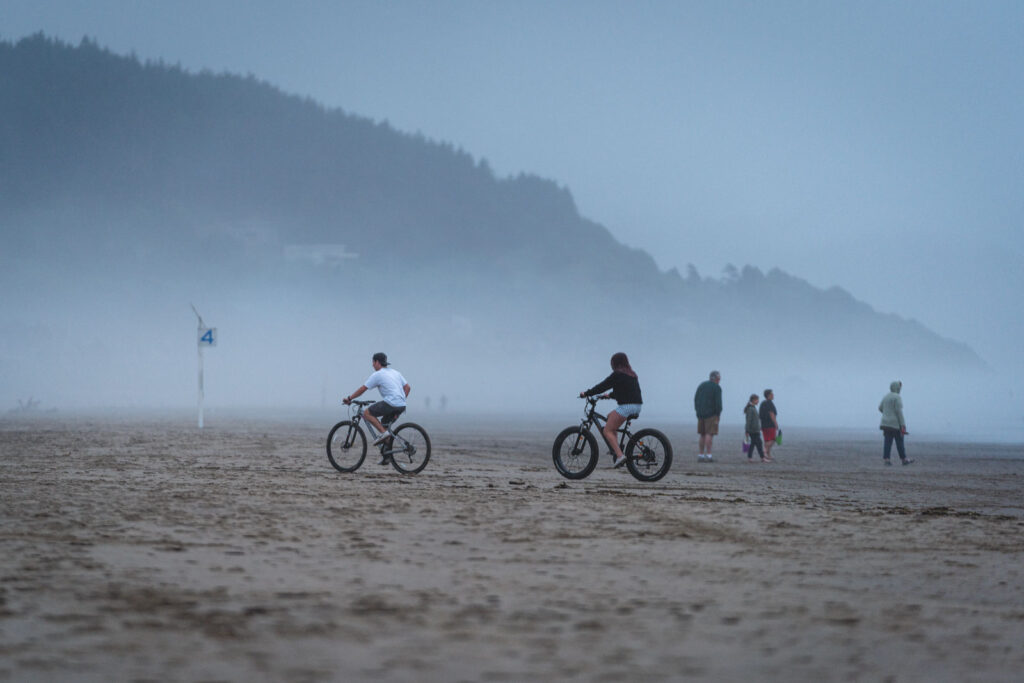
[209, 337]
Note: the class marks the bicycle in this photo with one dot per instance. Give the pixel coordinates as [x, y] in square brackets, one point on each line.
[648, 451]
[408, 450]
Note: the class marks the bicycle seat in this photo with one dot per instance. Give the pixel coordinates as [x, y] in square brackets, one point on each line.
[632, 417]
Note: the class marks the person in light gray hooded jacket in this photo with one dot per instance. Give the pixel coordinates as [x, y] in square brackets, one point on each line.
[893, 426]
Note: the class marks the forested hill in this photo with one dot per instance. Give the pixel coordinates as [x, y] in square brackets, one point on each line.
[82, 125]
[116, 170]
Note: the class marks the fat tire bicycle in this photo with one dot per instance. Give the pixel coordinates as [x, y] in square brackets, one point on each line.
[408, 450]
[648, 451]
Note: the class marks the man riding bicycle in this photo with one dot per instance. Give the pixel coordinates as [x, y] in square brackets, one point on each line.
[393, 390]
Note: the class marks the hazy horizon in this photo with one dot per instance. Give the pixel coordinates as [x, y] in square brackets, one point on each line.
[870, 147]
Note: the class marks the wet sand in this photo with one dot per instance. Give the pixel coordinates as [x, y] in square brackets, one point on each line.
[140, 549]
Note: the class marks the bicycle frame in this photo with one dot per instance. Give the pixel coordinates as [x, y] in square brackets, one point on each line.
[592, 417]
[355, 413]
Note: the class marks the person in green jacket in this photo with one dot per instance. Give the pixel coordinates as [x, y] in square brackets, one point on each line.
[893, 426]
[753, 429]
[708, 404]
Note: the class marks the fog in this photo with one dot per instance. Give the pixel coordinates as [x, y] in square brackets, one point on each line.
[297, 347]
[870, 147]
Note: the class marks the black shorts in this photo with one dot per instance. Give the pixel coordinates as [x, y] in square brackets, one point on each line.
[384, 411]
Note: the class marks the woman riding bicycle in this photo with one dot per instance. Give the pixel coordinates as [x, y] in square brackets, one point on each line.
[626, 391]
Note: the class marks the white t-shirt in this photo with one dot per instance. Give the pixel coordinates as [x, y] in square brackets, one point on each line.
[391, 383]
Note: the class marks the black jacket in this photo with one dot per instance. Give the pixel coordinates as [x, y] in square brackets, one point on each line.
[625, 389]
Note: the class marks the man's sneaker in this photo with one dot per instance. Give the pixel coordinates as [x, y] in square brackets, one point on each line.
[384, 436]
[701, 457]
[888, 462]
[711, 458]
[907, 461]
[619, 462]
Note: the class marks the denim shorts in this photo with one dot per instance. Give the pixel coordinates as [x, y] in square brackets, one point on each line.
[627, 409]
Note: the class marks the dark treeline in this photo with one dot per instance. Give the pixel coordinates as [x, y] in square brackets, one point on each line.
[81, 124]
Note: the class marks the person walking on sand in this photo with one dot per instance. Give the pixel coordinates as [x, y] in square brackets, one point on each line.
[708, 404]
[893, 426]
[625, 388]
[769, 422]
[753, 427]
[393, 390]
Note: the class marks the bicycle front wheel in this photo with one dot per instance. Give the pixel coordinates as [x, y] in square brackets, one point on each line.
[346, 446]
[648, 455]
[410, 449]
[575, 453]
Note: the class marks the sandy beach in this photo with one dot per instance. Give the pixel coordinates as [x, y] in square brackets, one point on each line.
[139, 549]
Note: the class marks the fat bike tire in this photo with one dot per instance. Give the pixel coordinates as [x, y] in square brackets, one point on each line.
[648, 455]
[574, 453]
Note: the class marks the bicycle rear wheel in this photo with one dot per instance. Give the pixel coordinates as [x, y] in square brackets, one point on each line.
[410, 449]
[648, 455]
[346, 446]
[574, 453]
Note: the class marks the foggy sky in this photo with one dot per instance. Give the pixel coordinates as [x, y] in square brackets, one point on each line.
[872, 145]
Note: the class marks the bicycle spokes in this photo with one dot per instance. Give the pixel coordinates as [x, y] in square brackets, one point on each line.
[396, 446]
[346, 446]
[644, 452]
[410, 448]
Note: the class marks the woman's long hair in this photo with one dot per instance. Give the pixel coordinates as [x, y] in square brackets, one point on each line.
[620, 363]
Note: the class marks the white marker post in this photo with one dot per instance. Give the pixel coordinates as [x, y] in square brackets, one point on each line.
[207, 336]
